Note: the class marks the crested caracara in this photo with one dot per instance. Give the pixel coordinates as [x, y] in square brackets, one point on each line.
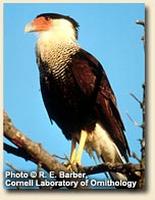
[76, 92]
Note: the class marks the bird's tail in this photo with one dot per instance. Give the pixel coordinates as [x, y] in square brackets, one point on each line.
[100, 142]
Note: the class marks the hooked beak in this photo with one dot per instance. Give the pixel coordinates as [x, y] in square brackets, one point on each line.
[29, 28]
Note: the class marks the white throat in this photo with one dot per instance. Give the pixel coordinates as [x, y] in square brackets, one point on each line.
[61, 31]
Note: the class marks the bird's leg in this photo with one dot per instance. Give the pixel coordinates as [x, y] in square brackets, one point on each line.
[75, 157]
[72, 155]
[73, 151]
[82, 142]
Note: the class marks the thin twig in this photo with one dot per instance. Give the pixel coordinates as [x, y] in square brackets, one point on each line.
[134, 96]
[60, 157]
[133, 121]
[134, 155]
[12, 167]
[140, 22]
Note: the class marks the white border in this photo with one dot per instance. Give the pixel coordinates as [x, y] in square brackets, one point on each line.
[144, 195]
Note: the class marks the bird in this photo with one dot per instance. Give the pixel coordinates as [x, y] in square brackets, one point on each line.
[77, 93]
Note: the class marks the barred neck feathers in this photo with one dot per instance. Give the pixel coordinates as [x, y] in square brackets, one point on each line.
[56, 49]
[48, 46]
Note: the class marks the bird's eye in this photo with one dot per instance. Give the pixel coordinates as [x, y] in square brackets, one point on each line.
[47, 18]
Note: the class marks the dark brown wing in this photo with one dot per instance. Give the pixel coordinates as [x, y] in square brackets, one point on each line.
[93, 82]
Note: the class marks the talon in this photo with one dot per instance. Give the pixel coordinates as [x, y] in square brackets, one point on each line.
[72, 167]
[69, 167]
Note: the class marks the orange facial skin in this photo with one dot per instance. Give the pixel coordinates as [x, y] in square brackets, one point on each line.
[41, 24]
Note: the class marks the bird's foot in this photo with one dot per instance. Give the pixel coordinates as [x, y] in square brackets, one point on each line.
[72, 166]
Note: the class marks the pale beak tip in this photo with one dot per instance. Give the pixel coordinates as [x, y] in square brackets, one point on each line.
[28, 28]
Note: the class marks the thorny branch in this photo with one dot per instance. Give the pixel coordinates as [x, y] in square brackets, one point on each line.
[142, 106]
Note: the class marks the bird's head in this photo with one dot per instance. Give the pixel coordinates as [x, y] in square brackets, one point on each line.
[56, 24]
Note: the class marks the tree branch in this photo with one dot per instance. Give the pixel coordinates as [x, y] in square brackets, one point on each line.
[30, 150]
[16, 151]
[128, 168]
